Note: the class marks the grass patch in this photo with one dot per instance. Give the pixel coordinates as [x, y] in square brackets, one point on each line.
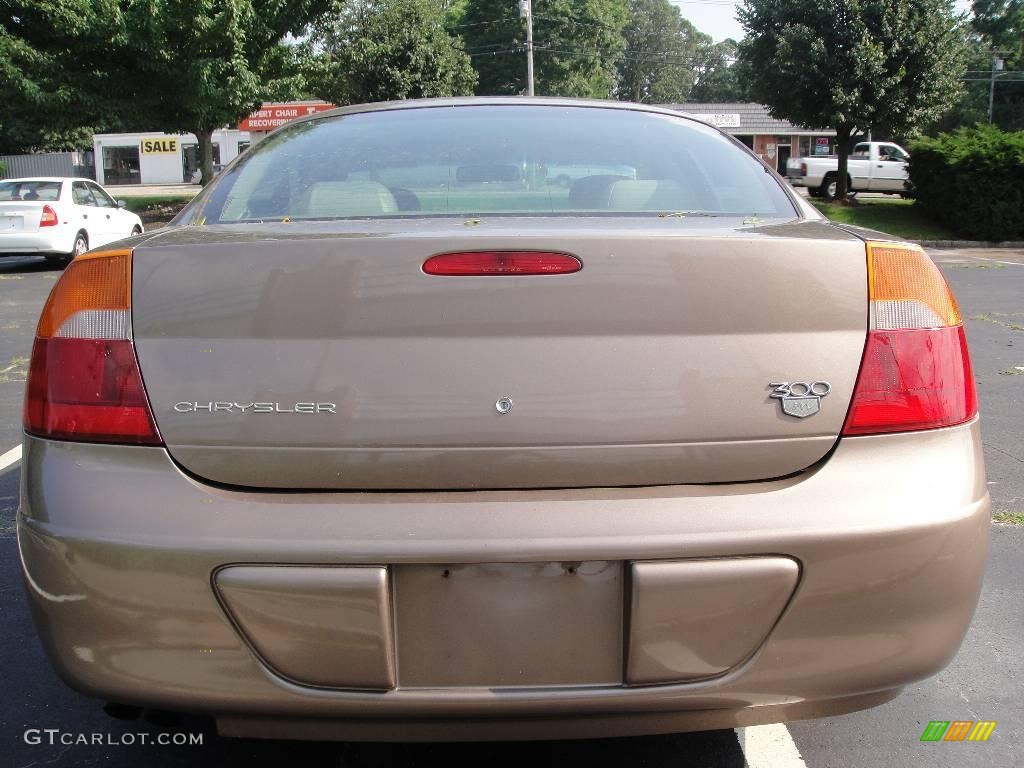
[142, 204]
[1011, 518]
[995, 319]
[16, 369]
[894, 216]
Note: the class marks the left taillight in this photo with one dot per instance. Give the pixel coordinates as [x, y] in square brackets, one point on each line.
[49, 217]
[84, 382]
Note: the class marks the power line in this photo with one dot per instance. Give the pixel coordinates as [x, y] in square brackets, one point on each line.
[496, 53]
[483, 23]
[667, 57]
[595, 24]
[481, 48]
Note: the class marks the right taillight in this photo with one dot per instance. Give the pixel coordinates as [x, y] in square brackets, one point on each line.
[49, 217]
[916, 372]
[83, 380]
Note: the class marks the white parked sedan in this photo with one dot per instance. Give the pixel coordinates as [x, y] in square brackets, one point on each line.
[60, 218]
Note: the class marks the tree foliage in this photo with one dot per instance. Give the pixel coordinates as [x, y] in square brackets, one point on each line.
[578, 44]
[999, 26]
[972, 179]
[50, 90]
[659, 62]
[893, 65]
[1001, 23]
[719, 76]
[376, 50]
[180, 65]
[197, 65]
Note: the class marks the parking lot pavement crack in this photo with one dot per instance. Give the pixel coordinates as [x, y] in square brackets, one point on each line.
[1005, 453]
[968, 707]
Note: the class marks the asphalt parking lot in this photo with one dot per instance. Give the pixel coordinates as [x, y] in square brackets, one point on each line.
[985, 681]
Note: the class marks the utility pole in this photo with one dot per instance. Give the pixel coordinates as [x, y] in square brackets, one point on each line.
[997, 66]
[526, 12]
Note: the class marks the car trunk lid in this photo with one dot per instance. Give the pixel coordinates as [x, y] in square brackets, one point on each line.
[327, 359]
[20, 217]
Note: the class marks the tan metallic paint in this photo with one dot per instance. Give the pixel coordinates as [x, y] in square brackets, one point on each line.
[891, 533]
[695, 619]
[318, 626]
[649, 366]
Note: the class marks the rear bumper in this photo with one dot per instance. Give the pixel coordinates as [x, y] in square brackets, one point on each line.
[52, 241]
[121, 552]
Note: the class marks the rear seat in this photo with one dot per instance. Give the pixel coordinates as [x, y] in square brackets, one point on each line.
[347, 198]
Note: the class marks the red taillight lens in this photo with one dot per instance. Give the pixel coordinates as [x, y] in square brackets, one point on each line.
[87, 389]
[49, 217]
[84, 381]
[913, 379]
[479, 263]
[916, 372]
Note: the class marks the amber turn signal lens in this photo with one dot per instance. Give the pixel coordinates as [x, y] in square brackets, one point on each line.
[907, 290]
[93, 282]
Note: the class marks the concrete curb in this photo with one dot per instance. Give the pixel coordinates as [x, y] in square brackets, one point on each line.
[969, 244]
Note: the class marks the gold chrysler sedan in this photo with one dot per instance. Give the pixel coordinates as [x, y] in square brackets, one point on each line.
[388, 436]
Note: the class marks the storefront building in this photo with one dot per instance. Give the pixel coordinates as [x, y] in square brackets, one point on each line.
[160, 158]
[169, 158]
[773, 140]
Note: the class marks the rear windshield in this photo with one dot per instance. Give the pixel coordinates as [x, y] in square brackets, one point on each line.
[473, 160]
[29, 190]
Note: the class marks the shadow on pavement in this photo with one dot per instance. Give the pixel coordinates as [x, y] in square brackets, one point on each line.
[28, 264]
[715, 749]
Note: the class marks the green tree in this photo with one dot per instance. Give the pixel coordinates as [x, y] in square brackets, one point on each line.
[719, 76]
[376, 50]
[577, 46]
[196, 65]
[1001, 22]
[892, 65]
[972, 106]
[658, 63]
[1000, 26]
[47, 76]
[180, 65]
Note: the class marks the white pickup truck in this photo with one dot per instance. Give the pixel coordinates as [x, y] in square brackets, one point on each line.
[873, 166]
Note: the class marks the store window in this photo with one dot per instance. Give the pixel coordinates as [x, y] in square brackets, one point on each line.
[747, 141]
[190, 161]
[121, 165]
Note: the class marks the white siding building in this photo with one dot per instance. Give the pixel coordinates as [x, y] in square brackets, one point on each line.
[159, 158]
